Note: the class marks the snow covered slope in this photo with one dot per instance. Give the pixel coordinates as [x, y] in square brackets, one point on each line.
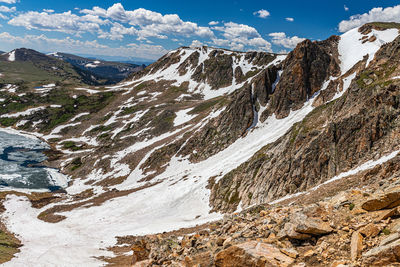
[148, 157]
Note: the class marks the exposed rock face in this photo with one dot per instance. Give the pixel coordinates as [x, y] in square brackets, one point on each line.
[305, 70]
[333, 138]
[216, 70]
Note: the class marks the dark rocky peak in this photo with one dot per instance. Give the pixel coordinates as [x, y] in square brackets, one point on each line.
[304, 71]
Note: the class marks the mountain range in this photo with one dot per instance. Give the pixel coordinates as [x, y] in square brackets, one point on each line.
[29, 66]
[212, 157]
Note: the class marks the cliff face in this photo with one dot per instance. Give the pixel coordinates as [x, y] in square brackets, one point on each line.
[335, 137]
[206, 129]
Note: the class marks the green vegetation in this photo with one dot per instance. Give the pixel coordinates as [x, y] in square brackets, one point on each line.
[386, 231]
[250, 74]
[71, 146]
[385, 25]
[352, 206]
[76, 163]
[220, 101]
[130, 110]
[6, 122]
[101, 128]
[8, 246]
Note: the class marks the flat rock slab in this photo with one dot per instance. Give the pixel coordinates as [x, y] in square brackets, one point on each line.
[384, 201]
[252, 253]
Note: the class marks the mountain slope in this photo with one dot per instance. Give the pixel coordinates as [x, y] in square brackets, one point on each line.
[206, 129]
[29, 66]
[114, 72]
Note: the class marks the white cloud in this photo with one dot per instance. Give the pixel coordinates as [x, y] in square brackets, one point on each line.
[289, 19]
[233, 30]
[117, 32]
[6, 9]
[345, 8]
[61, 22]
[238, 36]
[8, 1]
[116, 23]
[389, 14]
[70, 45]
[196, 43]
[280, 38]
[261, 13]
[150, 23]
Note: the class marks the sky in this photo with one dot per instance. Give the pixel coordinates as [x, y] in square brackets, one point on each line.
[149, 29]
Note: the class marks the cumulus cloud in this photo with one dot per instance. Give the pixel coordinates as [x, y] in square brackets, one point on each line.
[237, 36]
[261, 13]
[196, 43]
[8, 1]
[345, 8]
[150, 23]
[61, 22]
[389, 14]
[117, 23]
[117, 32]
[289, 19]
[6, 9]
[280, 38]
[70, 45]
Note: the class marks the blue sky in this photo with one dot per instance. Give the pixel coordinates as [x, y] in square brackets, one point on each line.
[148, 29]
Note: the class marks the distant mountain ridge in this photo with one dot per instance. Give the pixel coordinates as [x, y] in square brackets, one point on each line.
[30, 66]
[112, 71]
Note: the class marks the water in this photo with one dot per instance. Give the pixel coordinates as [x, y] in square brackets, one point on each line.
[20, 165]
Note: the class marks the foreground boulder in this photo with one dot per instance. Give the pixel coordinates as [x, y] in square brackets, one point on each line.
[384, 254]
[303, 227]
[252, 253]
[388, 200]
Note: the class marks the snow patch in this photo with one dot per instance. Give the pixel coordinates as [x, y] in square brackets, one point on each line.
[352, 50]
[11, 56]
[182, 117]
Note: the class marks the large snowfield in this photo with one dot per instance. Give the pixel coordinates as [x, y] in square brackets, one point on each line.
[179, 200]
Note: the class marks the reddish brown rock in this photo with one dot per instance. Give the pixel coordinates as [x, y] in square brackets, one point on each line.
[370, 230]
[384, 201]
[252, 253]
[356, 245]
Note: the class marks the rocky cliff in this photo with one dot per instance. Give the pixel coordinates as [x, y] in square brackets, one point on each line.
[206, 131]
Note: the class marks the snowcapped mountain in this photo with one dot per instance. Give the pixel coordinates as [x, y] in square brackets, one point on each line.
[199, 133]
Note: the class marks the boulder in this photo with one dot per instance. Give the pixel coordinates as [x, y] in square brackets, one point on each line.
[252, 253]
[384, 254]
[370, 230]
[356, 245]
[303, 227]
[201, 259]
[306, 225]
[384, 201]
